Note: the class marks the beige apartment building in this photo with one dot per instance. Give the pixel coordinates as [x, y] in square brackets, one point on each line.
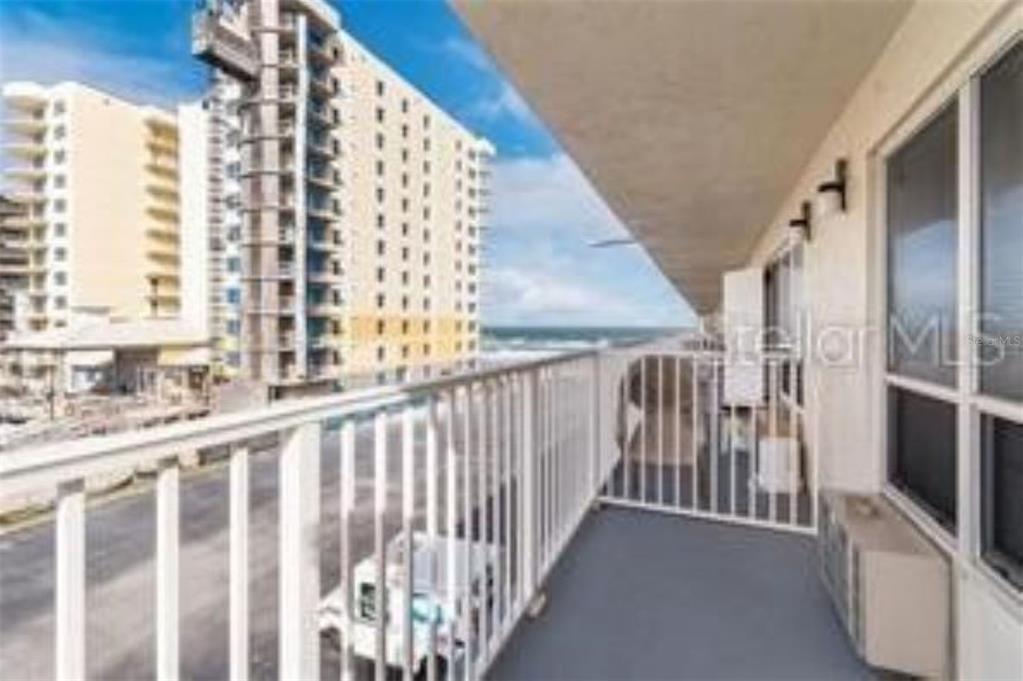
[362, 202]
[13, 260]
[98, 177]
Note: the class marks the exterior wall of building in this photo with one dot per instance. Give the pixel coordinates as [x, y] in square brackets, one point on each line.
[317, 183]
[74, 145]
[14, 234]
[413, 205]
[931, 55]
[211, 220]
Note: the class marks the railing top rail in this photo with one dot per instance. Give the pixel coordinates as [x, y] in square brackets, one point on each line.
[53, 463]
[32, 467]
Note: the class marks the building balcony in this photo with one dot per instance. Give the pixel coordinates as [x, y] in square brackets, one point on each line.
[521, 465]
[25, 149]
[28, 173]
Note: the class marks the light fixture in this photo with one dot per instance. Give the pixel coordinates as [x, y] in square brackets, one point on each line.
[802, 223]
[832, 194]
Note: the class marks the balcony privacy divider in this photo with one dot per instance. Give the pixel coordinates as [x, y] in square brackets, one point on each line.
[487, 474]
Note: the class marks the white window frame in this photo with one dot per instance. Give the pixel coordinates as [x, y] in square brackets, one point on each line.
[960, 84]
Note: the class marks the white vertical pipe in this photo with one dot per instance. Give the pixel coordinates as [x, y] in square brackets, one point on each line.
[167, 569]
[407, 512]
[69, 606]
[299, 558]
[348, 600]
[239, 577]
[594, 456]
[380, 549]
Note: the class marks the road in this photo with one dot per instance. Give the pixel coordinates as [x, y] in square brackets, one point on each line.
[120, 598]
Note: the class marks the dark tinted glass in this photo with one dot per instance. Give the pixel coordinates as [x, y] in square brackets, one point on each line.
[922, 188]
[1001, 139]
[1002, 497]
[922, 452]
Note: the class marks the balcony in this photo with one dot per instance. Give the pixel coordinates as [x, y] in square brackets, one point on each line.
[221, 41]
[685, 578]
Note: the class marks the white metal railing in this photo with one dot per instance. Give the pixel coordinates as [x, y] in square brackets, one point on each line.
[702, 435]
[496, 470]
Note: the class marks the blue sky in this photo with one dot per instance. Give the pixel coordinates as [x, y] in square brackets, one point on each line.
[538, 267]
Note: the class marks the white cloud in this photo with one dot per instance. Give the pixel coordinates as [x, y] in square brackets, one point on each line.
[540, 268]
[36, 47]
[469, 52]
[542, 193]
[529, 292]
[505, 102]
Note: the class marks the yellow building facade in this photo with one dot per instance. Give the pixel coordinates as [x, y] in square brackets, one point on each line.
[99, 179]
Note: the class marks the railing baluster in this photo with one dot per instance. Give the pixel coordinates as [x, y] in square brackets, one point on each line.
[299, 560]
[69, 613]
[239, 577]
[497, 404]
[451, 499]
[469, 544]
[751, 463]
[733, 507]
[484, 522]
[347, 487]
[660, 429]
[793, 449]
[529, 516]
[678, 431]
[407, 512]
[695, 473]
[624, 389]
[379, 546]
[772, 405]
[167, 569]
[715, 433]
[642, 427]
[431, 525]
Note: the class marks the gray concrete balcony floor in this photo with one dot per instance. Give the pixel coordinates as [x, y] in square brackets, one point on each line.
[640, 595]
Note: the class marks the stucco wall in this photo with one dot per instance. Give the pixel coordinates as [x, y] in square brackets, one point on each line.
[929, 56]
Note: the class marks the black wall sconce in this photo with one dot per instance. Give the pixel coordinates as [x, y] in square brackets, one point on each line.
[834, 191]
[802, 223]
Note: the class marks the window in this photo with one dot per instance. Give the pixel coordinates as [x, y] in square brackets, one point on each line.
[59, 254]
[381, 327]
[59, 229]
[922, 182]
[1002, 507]
[367, 606]
[60, 278]
[922, 452]
[380, 114]
[380, 88]
[1001, 236]
[59, 156]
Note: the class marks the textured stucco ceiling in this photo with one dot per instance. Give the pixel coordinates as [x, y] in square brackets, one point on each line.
[693, 118]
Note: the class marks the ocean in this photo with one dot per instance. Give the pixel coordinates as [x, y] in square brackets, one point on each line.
[508, 343]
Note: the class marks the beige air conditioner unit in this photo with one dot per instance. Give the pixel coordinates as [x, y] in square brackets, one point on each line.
[889, 584]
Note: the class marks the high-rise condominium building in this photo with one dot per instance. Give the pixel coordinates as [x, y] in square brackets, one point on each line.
[98, 179]
[13, 260]
[209, 131]
[362, 202]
